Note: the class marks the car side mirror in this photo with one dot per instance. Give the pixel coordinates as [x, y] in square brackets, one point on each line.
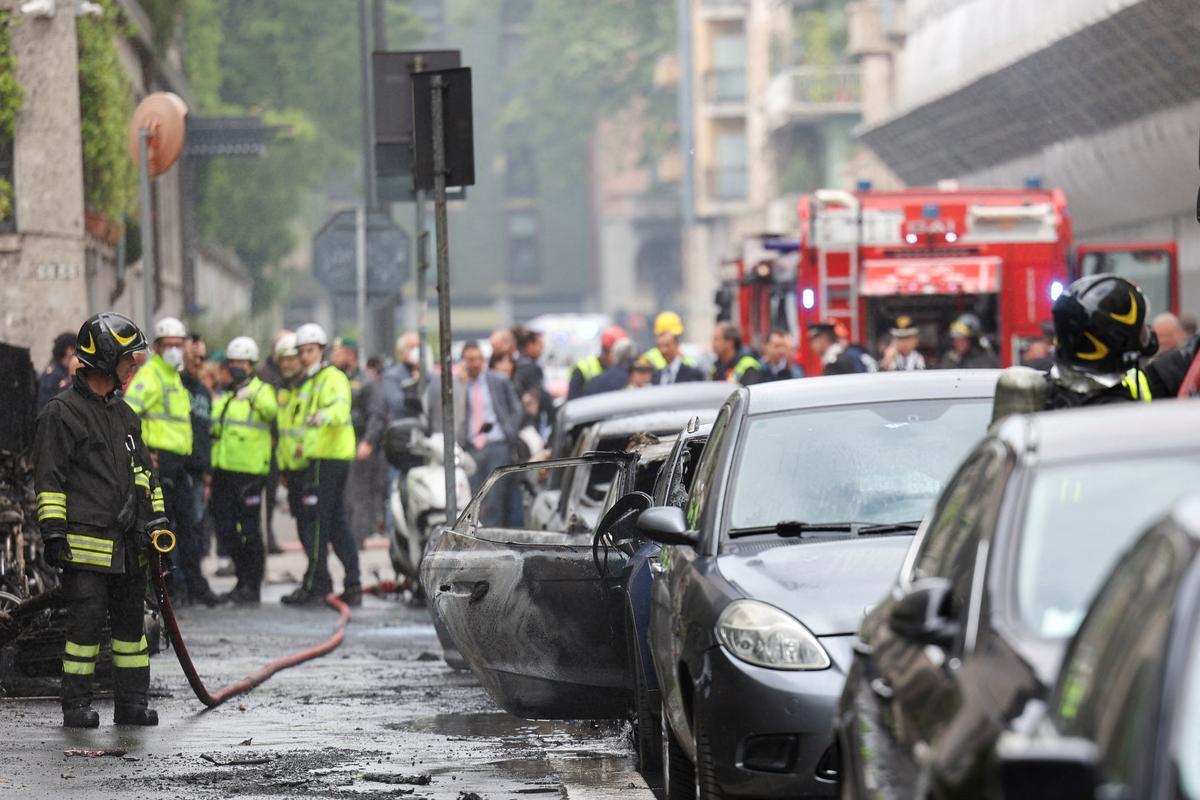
[666, 525]
[1033, 767]
[923, 615]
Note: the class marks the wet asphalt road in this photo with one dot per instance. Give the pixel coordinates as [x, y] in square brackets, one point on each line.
[374, 719]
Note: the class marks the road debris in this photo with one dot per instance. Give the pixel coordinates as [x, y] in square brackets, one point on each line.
[82, 753]
[387, 777]
[243, 761]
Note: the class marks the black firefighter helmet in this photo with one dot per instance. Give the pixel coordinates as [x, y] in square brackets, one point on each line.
[105, 338]
[1100, 325]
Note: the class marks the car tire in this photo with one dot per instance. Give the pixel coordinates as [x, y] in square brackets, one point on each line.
[707, 787]
[647, 727]
[679, 777]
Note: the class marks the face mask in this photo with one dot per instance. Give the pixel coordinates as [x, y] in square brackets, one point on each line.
[313, 370]
[238, 374]
[173, 356]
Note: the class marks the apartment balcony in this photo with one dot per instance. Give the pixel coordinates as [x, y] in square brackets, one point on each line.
[810, 94]
[725, 91]
[722, 9]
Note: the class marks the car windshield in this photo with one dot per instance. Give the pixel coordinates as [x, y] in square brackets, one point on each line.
[876, 463]
[1094, 509]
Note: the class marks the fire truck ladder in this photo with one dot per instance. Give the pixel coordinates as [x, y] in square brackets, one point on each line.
[838, 234]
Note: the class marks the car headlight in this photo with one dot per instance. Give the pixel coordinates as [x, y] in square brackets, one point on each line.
[763, 635]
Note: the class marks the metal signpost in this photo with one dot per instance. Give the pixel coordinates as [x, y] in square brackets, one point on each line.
[444, 156]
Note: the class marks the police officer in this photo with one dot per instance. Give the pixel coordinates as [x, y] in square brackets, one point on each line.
[160, 399]
[1100, 335]
[587, 369]
[241, 459]
[328, 445]
[97, 496]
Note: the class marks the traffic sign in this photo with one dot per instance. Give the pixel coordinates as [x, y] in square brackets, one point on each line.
[387, 254]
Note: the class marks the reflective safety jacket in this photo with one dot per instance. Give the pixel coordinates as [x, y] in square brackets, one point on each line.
[1133, 388]
[241, 429]
[328, 432]
[589, 368]
[93, 479]
[735, 372]
[158, 397]
[659, 361]
[289, 426]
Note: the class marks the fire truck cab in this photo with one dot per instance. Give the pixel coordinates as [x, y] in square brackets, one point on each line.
[862, 259]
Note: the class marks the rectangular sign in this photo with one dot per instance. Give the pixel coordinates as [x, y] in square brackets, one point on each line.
[392, 84]
[458, 132]
[907, 276]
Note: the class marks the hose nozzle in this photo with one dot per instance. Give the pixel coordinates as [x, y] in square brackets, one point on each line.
[162, 540]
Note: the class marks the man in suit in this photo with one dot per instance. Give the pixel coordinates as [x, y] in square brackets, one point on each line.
[671, 366]
[487, 418]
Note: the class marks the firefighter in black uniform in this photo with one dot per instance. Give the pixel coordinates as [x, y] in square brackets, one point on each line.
[1100, 336]
[97, 498]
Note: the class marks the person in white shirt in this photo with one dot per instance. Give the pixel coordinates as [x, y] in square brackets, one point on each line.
[902, 355]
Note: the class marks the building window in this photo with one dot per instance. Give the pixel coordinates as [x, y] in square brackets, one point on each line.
[728, 179]
[520, 174]
[524, 261]
[726, 81]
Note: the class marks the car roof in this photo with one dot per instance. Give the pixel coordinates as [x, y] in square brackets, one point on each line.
[875, 387]
[1124, 429]
[658, 422]
[584, 410]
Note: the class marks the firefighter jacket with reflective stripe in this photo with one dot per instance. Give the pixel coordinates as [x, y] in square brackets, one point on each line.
[241, 429]
[659, 361]
[328, 433]
[736, 371]
[290, 428]
[1134, 387]
[92, 476]
[158, 397]
[589, 368]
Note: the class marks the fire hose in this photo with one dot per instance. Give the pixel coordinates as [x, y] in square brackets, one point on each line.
[163, 542]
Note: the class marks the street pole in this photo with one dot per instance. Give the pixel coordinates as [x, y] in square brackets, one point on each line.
[443, 288]
[368, 163]
[422, 294]
[147, 229]
[360, 269]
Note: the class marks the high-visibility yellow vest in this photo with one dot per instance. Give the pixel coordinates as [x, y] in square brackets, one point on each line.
[740, 366]
[158, 397]
[659, 361]
[589, 368]
[241, 429]
[290, 427]
[326, 395]
[1139, 388]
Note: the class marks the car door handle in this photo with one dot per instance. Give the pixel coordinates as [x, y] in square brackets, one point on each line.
[882, 689]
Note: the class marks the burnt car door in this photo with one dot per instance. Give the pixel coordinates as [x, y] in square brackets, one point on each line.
[914, 671]
[527, 607]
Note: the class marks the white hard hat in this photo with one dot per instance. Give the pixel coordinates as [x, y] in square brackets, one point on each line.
[311, 333]
[169, 328]
[286, 346]
[242, 348]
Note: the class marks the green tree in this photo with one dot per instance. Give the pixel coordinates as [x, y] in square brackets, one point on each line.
[11, 98]
[106, 106]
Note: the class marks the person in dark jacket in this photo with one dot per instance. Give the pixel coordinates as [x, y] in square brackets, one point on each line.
[777, 363]
[969, 349]
[369, 416]
[616, 377]
[56, 377]
[97, 497]
[734, 363]
[838, 357]
[1166, 371]
[198, 464]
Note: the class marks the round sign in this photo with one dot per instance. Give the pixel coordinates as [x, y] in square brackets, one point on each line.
[162, 115]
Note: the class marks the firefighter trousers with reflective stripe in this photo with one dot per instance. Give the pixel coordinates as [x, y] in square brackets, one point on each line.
[94, 598]
[322, 524]
[236, 504]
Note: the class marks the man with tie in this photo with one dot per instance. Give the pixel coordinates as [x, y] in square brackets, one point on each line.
[487, 414]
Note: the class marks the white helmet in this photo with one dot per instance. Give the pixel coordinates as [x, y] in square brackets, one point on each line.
[169, 328]
[286, 346]
[311, 333]
[242, 348]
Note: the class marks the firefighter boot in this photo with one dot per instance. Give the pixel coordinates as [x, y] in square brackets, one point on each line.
[134, 715]
[131, 681]
[79, 664]
[352, 596]
[81, 717]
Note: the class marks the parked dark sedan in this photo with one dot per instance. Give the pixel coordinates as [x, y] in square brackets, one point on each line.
[994, 587]
[1124, 718]
[802, 507]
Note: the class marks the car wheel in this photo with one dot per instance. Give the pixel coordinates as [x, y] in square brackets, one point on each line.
[707, 787]
[647, 729]
[679, 777]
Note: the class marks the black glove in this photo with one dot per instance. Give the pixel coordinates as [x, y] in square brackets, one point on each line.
[57, 551]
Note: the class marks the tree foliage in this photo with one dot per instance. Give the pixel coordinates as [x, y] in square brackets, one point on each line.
[11, 98]
[105, 105]
[580, 63]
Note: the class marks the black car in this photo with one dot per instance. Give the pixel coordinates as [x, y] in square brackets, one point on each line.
[1124, 718]
[802, 506]
[994, 587]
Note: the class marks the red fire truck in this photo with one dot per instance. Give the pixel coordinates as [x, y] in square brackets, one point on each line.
[862, 259]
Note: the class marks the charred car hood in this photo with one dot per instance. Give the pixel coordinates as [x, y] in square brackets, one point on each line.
[828, 586]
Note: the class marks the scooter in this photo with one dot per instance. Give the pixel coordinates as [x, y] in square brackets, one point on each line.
[417, 500]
